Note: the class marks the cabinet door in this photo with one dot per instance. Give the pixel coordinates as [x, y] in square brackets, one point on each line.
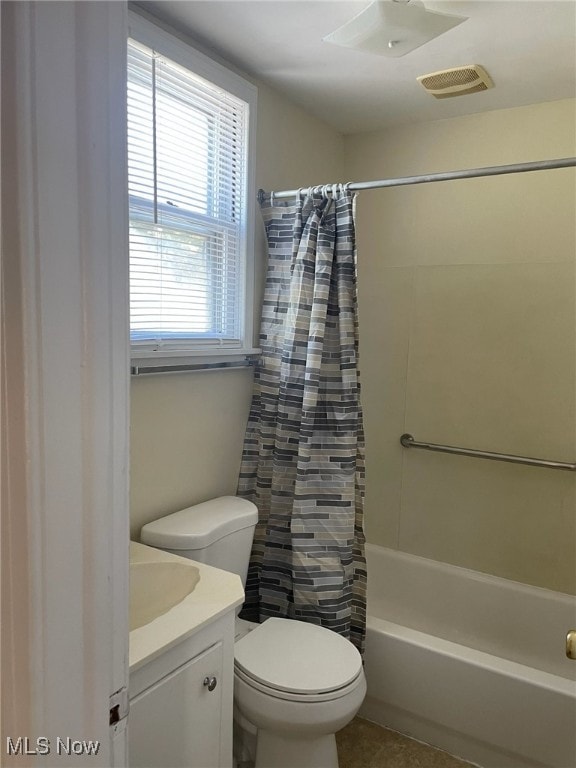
[176, 722]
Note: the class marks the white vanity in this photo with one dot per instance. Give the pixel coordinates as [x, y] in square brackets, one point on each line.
[181, 661]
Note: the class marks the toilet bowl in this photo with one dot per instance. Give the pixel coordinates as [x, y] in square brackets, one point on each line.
[295, 684]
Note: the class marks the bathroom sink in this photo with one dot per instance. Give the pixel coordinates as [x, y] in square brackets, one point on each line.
[157, 586]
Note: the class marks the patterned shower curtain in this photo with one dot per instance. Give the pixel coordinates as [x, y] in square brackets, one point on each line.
[303, 459]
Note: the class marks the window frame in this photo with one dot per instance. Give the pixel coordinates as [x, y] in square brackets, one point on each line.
[198, 351]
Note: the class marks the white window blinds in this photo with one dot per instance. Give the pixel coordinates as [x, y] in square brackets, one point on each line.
[187, 165]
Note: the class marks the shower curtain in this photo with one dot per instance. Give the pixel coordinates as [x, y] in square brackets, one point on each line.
[303, 458]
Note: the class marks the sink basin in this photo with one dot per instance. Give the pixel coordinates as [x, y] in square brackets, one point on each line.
[172, 598]
[155, 587]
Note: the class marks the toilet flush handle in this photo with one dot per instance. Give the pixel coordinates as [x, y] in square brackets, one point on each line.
[210, 682]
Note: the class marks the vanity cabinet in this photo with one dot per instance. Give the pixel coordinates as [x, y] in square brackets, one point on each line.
[181, 703]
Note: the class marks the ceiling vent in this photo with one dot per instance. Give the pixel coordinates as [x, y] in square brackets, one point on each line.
[456, 82]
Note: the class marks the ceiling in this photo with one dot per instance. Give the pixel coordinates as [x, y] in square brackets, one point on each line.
[528, 48]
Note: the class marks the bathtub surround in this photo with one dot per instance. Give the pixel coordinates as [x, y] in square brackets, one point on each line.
[303, 460]
[467, 298]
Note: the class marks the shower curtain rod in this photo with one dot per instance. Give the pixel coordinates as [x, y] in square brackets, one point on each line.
[471, 173]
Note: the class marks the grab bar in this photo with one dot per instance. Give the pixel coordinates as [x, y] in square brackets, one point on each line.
[408, 441]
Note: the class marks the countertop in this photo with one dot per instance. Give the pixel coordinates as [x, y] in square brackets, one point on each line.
[216, 593]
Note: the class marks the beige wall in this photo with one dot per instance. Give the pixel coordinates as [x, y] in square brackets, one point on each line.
[468, 337]
[187, 429]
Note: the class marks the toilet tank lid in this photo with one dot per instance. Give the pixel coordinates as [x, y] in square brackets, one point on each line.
[199, 526]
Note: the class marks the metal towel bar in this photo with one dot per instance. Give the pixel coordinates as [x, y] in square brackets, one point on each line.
[139, 370]
[408, 441]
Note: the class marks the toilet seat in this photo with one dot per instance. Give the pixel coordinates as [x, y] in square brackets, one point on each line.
[302, 698]
[296, 661]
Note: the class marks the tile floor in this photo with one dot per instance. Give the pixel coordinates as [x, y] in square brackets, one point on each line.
[366, 745]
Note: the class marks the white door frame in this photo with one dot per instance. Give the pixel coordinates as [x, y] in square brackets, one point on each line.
[65, 377]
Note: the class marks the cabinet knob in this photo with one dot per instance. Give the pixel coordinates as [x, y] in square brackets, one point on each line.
[210, 682]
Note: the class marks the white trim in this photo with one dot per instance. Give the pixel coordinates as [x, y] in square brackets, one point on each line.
[15, 626]
[184, 54]
[71, 238]
[187, 56]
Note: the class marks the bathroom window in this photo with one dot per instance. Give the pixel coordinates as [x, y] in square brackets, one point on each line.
[190, 190]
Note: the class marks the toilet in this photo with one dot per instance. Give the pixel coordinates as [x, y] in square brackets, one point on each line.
[295, 684]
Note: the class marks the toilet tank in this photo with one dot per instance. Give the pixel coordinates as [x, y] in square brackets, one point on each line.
[218, 532]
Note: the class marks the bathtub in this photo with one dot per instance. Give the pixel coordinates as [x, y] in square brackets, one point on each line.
[471, 663]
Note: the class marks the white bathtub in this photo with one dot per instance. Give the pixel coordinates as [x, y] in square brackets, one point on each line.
[471, 663]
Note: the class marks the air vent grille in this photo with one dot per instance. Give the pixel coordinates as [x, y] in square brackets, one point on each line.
[473, 89]
[458, 81]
